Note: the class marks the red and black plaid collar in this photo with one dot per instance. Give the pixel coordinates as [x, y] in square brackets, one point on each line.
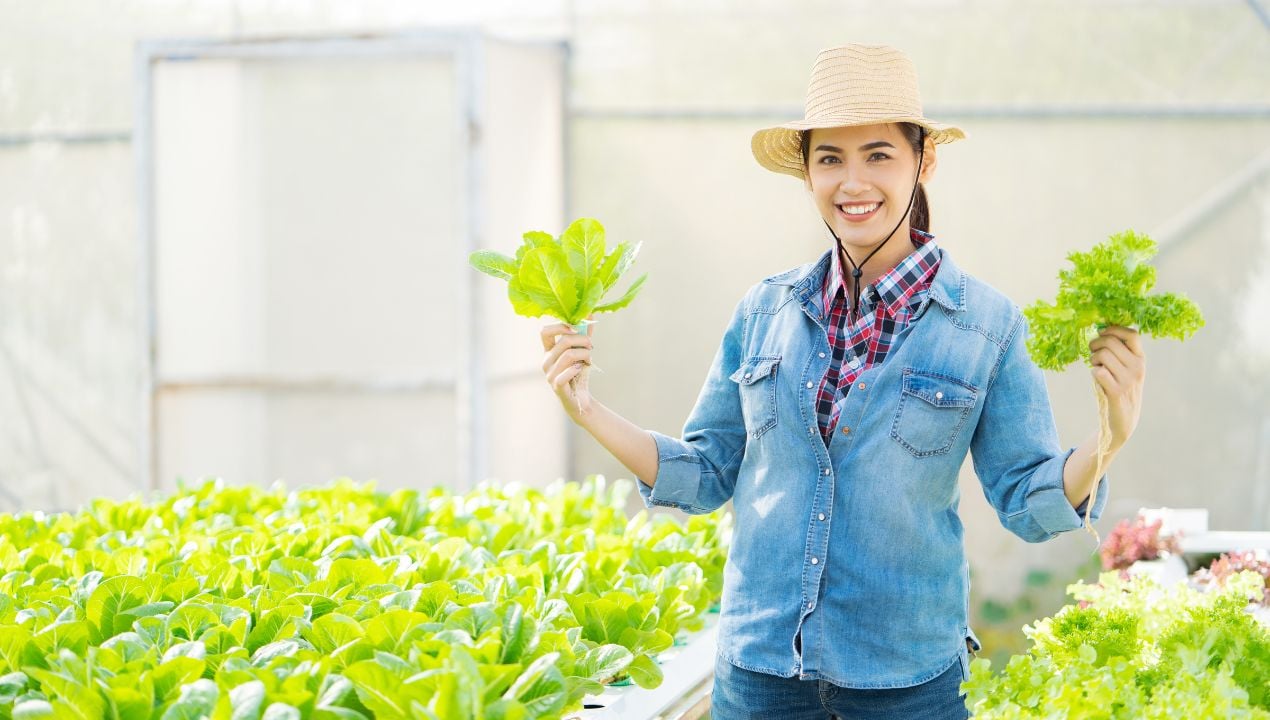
[897, 286]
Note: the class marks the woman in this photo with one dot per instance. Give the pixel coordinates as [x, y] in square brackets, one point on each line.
[837, 411]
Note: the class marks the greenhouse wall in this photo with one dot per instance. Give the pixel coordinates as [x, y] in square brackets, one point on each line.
[1085, 118]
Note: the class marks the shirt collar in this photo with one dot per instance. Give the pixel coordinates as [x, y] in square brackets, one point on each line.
[948, 288]
[897, 286]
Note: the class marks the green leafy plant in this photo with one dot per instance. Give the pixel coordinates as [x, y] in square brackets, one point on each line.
[1234, 563]
[341, 603]
[565, 277]
[998, 621]
[1131, 649]
[1108, 285]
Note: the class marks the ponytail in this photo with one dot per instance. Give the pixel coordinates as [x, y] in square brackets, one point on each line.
[919, 217]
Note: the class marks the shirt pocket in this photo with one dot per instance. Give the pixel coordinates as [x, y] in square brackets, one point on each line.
[932, 410]
[756, 381]
[972, 642]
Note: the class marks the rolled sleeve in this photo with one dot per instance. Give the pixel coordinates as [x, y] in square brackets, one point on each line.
[697, 473]
[1047, 511]
[1016, 452]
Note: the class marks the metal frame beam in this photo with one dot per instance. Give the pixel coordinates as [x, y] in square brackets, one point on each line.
[977, 112]
[1177, 229]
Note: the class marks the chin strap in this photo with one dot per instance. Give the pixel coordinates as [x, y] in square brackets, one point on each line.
[856, 272]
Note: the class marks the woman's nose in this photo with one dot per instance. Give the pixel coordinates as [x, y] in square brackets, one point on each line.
[853, 181]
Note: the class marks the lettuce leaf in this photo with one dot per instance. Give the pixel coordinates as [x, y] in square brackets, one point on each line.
[566, 277]
[1108, 285]
[341, 603]
[1133, 649]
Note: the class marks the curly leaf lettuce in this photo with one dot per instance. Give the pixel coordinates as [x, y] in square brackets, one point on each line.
[1131, 649]
[1108, 285]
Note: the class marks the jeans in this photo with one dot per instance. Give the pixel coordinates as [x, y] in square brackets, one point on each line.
[741, 694]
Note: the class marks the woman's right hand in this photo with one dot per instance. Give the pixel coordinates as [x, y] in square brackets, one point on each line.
[567, 365]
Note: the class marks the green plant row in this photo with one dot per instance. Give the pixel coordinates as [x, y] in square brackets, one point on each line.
[342, 602]
[1133, 650]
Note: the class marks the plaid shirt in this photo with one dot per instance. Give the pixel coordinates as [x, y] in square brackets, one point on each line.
[887, 306]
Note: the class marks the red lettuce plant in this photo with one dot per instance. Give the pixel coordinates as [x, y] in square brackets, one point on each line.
[1226, 566]
[1134, 540]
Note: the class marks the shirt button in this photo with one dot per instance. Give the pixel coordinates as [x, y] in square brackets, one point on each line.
[748, 375]
[811, 604]
[845, 430]
[808, 385]
[939, 396]
[822, 354]
[822, 516]
[811, 430]
[814, 561]
[861, 386]
[826, 471]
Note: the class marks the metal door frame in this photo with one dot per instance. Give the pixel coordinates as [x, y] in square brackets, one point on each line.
[466, 47]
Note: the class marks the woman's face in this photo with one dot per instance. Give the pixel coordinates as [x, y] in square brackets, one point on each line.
[861, 178]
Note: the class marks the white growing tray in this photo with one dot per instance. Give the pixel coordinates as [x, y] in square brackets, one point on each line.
[1224, 541]
[688, 672]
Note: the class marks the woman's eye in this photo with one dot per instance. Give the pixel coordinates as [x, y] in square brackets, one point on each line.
[883, 156]
[825, 160]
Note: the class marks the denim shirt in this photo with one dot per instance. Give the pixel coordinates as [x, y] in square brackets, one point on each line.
[856, 543]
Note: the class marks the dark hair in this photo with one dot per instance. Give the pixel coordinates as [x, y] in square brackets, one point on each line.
[920, 217]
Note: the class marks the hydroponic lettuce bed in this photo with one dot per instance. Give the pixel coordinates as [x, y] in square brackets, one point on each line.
[340, 602]
[1130, 649]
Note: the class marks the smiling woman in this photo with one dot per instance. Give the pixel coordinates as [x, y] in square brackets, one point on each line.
[914, 137]
[837, 412]
[861, 192]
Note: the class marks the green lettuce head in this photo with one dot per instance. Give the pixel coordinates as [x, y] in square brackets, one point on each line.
[564, 277]
[1109, 285]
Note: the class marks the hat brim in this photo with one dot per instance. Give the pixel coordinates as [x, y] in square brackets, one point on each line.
[779, 148]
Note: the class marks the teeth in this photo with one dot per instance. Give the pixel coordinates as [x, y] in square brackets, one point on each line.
[860, 209]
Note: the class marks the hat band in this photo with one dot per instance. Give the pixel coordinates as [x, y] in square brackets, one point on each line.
[882, 115]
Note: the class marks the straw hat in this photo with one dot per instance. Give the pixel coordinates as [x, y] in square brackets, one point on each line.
[850, 85]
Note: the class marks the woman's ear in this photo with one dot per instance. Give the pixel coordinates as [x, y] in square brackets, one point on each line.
[928, 162]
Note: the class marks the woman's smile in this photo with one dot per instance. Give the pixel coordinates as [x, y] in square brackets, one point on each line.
[858, 212]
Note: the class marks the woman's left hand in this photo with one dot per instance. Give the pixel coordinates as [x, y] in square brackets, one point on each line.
[1120, 367]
